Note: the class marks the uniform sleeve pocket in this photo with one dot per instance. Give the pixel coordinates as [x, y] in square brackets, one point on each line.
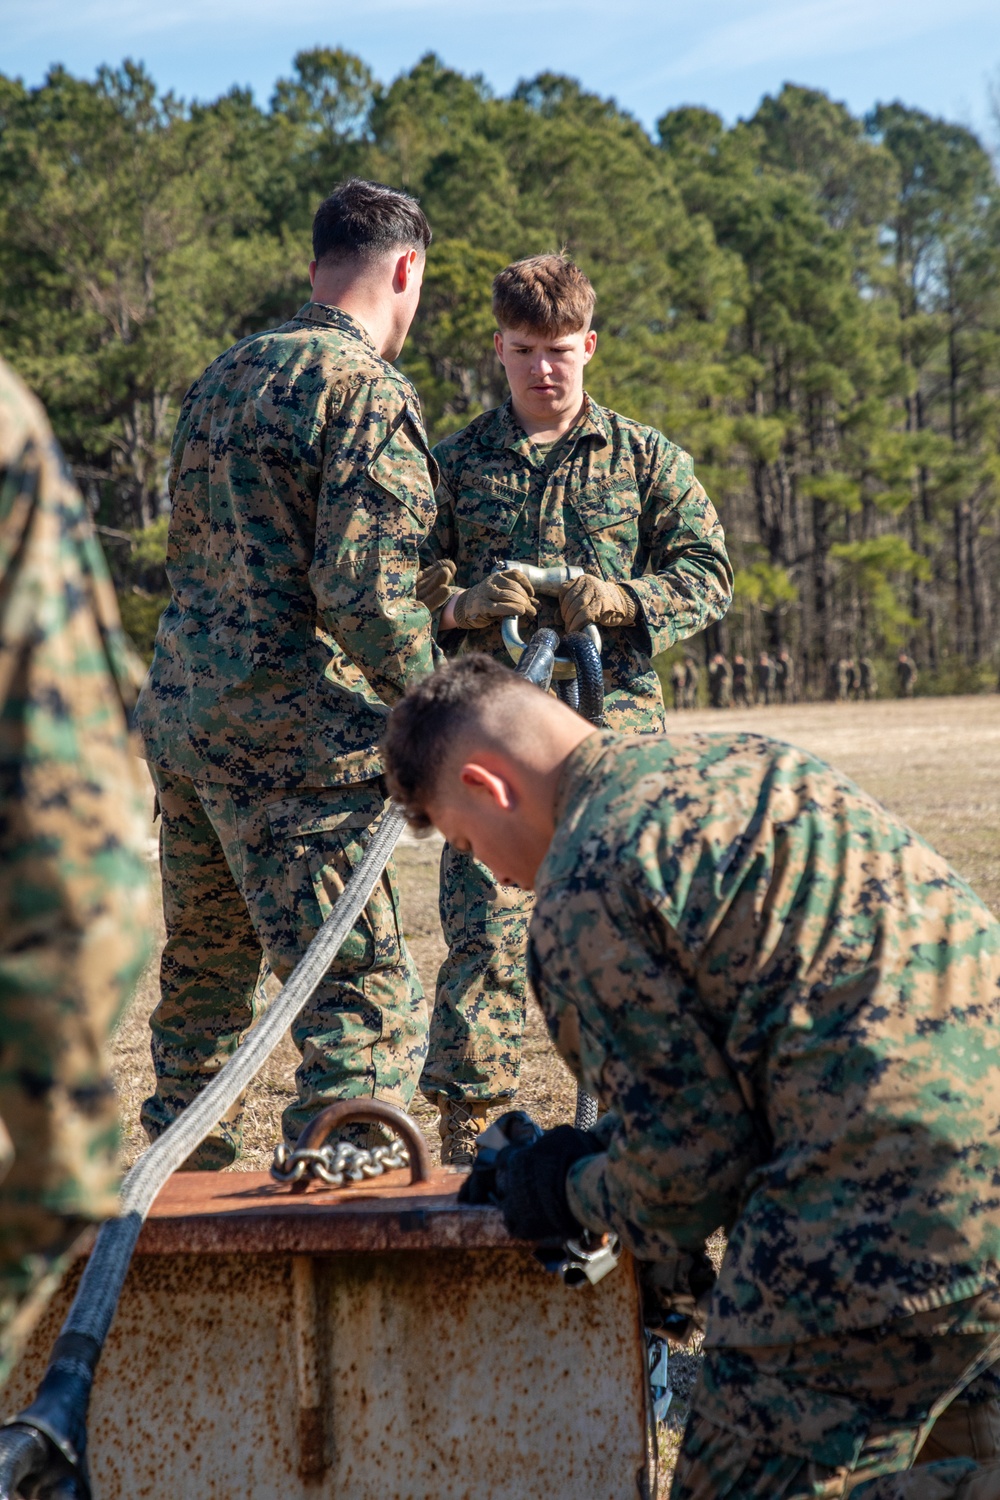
[405, 468]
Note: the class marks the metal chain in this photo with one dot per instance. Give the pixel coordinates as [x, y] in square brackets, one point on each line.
[337, 1162]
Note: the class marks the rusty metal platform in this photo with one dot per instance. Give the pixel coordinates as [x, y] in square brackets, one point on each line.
[241, 1212]
[371, 1343]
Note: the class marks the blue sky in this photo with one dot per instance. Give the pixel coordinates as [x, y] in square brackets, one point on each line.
[940, 55]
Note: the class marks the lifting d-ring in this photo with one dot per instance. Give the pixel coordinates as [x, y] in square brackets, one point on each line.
[544, 581]
[564, 668]
[295, 1167]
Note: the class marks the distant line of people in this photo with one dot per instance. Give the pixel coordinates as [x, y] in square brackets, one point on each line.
[771, 679]
[768, 680]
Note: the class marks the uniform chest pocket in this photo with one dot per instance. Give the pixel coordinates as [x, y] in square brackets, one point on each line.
[609, 513]
[486, 513]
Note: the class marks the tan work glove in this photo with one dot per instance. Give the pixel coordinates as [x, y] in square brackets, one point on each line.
[498, 597]
[434, 584]
[595, 601]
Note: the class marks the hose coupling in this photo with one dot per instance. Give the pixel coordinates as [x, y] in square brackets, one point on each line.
[585, 1260]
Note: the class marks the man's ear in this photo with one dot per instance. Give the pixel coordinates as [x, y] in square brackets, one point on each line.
[405, 267]
[488, 784]
[312, 273]
[589, 345]
[498, 346]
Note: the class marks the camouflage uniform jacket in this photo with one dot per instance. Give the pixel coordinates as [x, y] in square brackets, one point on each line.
[301, 487]
[615, 498]
[790, 1004]
[74, 889]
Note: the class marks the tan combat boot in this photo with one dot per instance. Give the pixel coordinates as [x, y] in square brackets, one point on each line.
[459, 1126]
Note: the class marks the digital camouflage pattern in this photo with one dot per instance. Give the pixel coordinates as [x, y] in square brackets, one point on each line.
[622, 502]
[789, 1004]
[301, 488]
[474, 1048]
[957, 1479]
[613, 497]
[300, 483]
[828, 1417]
[74, 912]
[363, 1033]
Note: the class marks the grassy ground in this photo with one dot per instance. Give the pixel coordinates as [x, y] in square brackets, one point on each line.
[934, 761]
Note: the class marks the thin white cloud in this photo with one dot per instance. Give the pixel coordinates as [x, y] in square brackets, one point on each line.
[132, 20]
[810, 29]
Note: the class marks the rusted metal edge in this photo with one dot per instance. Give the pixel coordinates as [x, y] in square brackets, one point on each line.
[221, 1213]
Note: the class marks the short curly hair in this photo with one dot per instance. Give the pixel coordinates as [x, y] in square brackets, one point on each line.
[425, 724]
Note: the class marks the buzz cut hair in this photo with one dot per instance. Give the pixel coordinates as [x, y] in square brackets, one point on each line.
[362, 220]
[427, 722]
[544, 294]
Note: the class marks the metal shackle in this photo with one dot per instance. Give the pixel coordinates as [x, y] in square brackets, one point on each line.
[546, 581]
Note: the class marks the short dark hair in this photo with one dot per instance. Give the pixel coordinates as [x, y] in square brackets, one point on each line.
[363, 219]
[545, 294]
[425, 723]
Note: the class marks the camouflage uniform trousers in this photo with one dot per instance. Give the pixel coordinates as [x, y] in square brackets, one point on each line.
[474, 1050]
[826, 1418]
[246, 871]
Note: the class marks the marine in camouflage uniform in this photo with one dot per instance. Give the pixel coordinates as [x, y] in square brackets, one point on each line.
[788, 1004]
[621, 501]
[720, 680]
[692, 677]
[74, 898]
[741, 682]
[840, 674]
[784, 669]
[764, 676]
[301, 489]
[678, 684]
[906, 674]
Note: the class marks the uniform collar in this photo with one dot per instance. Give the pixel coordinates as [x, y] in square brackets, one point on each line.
[572, 789]
[505, 431]
[325, 316]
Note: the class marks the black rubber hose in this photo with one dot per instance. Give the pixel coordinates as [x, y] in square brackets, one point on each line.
[24, 1452]
[589, 676]
[568, 692]
[538, 658]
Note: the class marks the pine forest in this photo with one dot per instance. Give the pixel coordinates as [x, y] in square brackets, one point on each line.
[808, 301]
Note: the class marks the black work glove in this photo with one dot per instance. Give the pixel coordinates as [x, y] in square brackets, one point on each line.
[529, 1183]
[515, 1128]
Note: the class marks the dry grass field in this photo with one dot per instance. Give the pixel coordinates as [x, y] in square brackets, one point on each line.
[935, 762]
